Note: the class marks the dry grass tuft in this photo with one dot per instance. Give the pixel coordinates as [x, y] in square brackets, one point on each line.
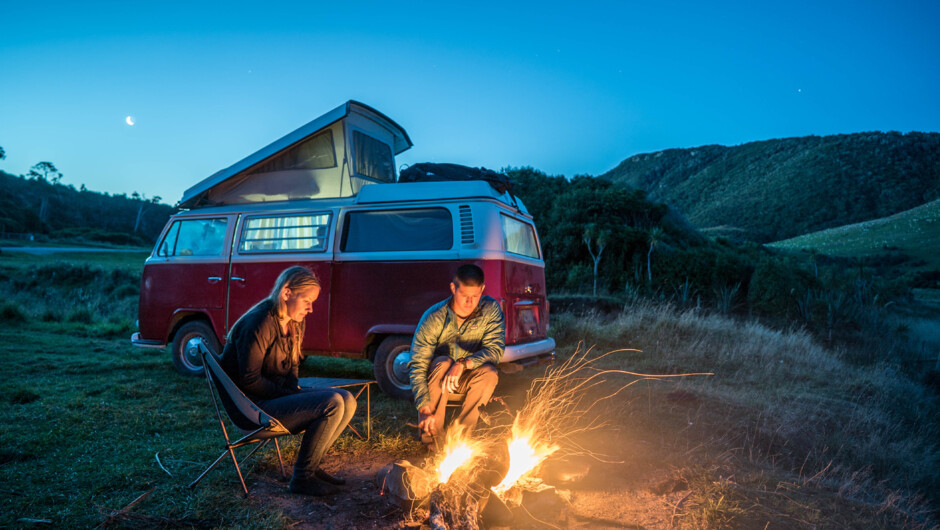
[779, 401]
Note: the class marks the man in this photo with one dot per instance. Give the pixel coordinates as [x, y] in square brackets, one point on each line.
[456, 348]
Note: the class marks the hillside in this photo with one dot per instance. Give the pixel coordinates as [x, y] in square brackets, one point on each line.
[57, 211]
[777, 189]
[914, 233]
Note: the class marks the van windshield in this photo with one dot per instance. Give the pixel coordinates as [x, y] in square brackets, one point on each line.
[194, 237]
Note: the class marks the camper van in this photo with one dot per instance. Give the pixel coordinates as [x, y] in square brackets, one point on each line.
[326, 196]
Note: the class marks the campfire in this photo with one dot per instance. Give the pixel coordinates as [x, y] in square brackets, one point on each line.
[489, 475]
[524, 456]
[456, 453]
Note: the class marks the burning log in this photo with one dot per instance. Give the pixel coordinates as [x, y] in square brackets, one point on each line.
[537, 496]
[405, 485]
[455, 512]
[467, 471]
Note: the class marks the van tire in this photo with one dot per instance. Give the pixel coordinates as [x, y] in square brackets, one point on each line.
[186, 357]
[393, 382]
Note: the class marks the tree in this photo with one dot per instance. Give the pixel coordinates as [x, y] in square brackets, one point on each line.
[655, 237]
[601, 238]
[45, 171]
[145, 204]
[3, 154]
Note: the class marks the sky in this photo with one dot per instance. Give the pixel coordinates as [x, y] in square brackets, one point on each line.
[569, 88]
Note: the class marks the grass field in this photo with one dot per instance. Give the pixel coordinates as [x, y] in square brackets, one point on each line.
[87, 420]
[915, 233]
[787, 433]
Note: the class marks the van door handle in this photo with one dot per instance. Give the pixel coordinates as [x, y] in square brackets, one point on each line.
[237, 279]
[214, 279]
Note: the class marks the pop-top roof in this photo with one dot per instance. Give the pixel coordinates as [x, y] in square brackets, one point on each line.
[334, 155]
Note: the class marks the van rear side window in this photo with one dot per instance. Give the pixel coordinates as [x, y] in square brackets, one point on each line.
[402, 230]
[194, 237]
[373, 158]
[285, 233]
[519, 237]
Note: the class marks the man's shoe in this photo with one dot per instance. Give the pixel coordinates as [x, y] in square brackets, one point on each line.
[311, 486]
[326, 477]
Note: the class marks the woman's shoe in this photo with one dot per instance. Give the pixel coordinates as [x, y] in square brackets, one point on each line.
[311, 486]
[326, 477]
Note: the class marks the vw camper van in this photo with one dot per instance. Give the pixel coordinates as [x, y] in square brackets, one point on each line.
[326, 196]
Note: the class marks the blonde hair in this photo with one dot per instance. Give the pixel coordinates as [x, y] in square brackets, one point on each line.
[294, 278]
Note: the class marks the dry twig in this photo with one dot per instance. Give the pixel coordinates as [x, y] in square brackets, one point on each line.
[676, 507]
[157, 456]
[115, 516]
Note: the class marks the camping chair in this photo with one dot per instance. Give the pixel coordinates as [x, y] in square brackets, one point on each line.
[356, 386]
[258, 427]
[453, 405]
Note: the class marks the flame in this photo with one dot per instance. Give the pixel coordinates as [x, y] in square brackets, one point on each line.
[454, 457]
[458, 449]
[524, 456]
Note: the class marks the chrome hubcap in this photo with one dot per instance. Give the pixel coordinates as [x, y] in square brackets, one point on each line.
[191, 352]
[400, 369]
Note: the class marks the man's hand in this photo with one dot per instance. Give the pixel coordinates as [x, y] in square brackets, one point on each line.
[452, 377]
[426, 423]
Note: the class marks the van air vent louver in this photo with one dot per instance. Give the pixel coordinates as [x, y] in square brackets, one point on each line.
[466, 225]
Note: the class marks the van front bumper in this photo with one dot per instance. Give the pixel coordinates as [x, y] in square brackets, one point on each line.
[145, 343]
[539, 352]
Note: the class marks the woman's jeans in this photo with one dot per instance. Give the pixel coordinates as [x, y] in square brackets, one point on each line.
[322, 412]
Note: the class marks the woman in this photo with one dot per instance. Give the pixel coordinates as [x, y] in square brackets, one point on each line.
[262, 355]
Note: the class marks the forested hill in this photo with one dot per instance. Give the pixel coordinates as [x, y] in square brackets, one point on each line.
[44, 208]
[776, 189]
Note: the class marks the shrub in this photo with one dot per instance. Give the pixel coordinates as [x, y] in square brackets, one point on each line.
[23, 396]
[81, 315]
[583, 304]
[9, 311]
[776, 285]
[126, 291]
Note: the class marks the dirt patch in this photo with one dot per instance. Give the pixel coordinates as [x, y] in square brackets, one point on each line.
[358, 505]
[631, 492]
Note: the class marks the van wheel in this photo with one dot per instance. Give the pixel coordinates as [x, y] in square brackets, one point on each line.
[185, 347]
[390, 366]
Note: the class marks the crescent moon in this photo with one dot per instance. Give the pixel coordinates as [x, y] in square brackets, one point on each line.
[129, 120]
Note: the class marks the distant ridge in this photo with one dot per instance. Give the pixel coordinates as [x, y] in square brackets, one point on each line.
[37, 207]
[913, 233]
[777, 189]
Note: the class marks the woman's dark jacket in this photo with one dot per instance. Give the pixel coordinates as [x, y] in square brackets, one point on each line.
[258, 356]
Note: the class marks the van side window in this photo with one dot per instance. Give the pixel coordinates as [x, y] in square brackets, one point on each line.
[194, 237]
[285, 233]
[313, 153]
[373, 158]
[391, 230]
[519, 237]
